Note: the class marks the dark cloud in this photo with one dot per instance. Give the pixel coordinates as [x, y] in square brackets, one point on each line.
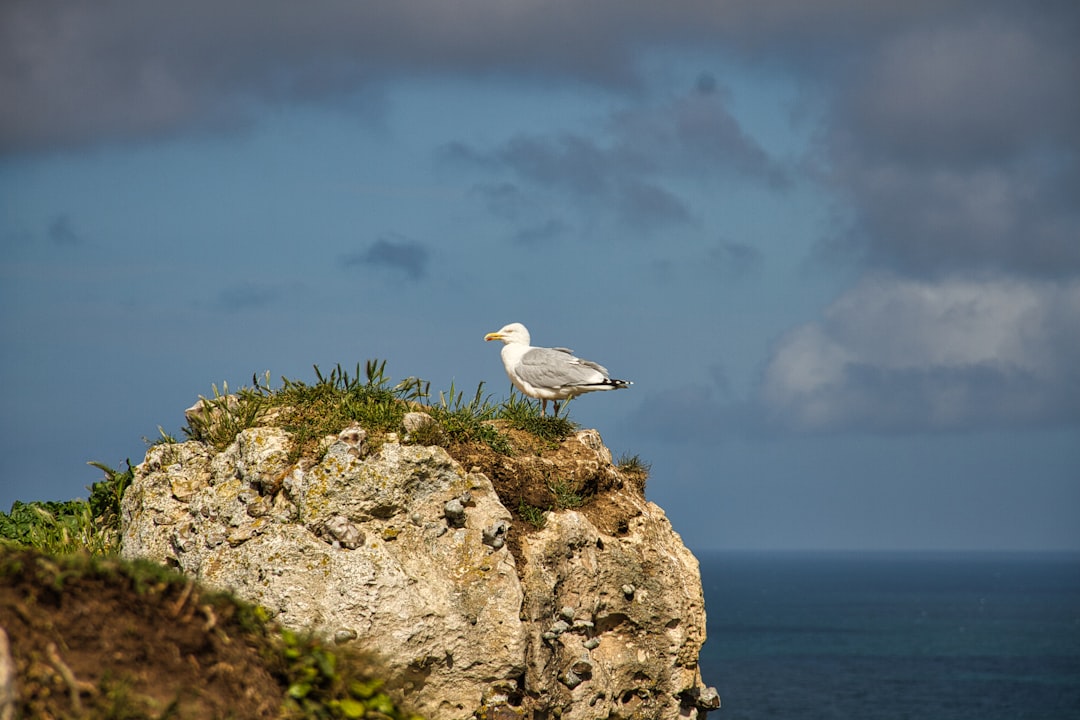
[571, 162]
[62, 232]
[629, 166]
[396, 253]
[956, 147]
[73, 74]
[694, 135]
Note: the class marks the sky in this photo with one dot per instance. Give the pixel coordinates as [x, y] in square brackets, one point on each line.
[835, 245]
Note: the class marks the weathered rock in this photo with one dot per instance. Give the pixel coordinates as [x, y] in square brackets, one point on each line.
[413, 421]
[618, 656]
[405, 552]
[443, 609]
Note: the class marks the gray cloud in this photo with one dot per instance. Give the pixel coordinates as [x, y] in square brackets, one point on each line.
[396, 253]
[74, 74]
[628, 166]
[895, 354]
[957, 147]
[693, 135]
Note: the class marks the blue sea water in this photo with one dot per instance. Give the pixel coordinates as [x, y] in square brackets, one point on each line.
[888, 636]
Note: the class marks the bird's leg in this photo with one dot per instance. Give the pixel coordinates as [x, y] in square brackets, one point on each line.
[543, 408]
[556, 409]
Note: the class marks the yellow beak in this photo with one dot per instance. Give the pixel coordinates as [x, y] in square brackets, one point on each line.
[493, 336]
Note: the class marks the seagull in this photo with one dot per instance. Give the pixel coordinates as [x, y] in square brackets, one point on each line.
[549, 373]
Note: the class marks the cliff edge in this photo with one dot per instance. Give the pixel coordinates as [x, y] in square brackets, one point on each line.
[527, 578]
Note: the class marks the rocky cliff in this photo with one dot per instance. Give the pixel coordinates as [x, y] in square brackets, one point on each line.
[481, 602]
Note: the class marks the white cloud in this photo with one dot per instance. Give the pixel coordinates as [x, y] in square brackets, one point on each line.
[902, 354]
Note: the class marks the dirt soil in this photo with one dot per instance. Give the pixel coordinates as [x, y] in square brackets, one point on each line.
[549, 475]
[88, 640]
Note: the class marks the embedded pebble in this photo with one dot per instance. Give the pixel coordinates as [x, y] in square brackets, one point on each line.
[454, 512]
[495, 536]
[591, 643]
[570, 679]
[343, 532]
[184, 539]
[354, 436]
[344, 635]
[583, 667]
[559, 627]
[413, 421]
[628, 591]
[567, 614]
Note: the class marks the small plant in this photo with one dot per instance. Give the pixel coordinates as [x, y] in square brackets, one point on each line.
[461, 421]
[519, 409]
[163, 438]
[633, 464]
[319, 687]
[221, 418]
[635, 469]
[523, 414]
[535, 516]
[566, 495]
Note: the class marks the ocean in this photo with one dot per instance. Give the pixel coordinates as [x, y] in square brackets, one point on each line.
[888, 636]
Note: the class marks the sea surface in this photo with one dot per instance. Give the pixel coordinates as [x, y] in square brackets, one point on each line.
[887, 636]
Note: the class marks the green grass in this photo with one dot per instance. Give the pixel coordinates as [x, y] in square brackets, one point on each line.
[370, 398]
[61, 528]
[535, 516]
[567, 497]
[524, 414]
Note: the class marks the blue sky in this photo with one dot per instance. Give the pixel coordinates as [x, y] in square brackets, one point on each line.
[835, 245]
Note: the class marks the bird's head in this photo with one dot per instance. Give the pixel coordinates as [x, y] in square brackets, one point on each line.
[512, 333]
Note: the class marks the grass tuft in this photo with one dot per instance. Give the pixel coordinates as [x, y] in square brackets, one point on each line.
[524, 414]
[535, 516]
[566, 495]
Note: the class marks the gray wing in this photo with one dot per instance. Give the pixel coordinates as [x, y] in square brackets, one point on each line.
[557, 367]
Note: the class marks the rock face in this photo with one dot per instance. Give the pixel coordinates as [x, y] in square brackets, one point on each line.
[409, 554]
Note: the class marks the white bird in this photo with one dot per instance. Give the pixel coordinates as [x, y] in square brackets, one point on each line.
[549, 373]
